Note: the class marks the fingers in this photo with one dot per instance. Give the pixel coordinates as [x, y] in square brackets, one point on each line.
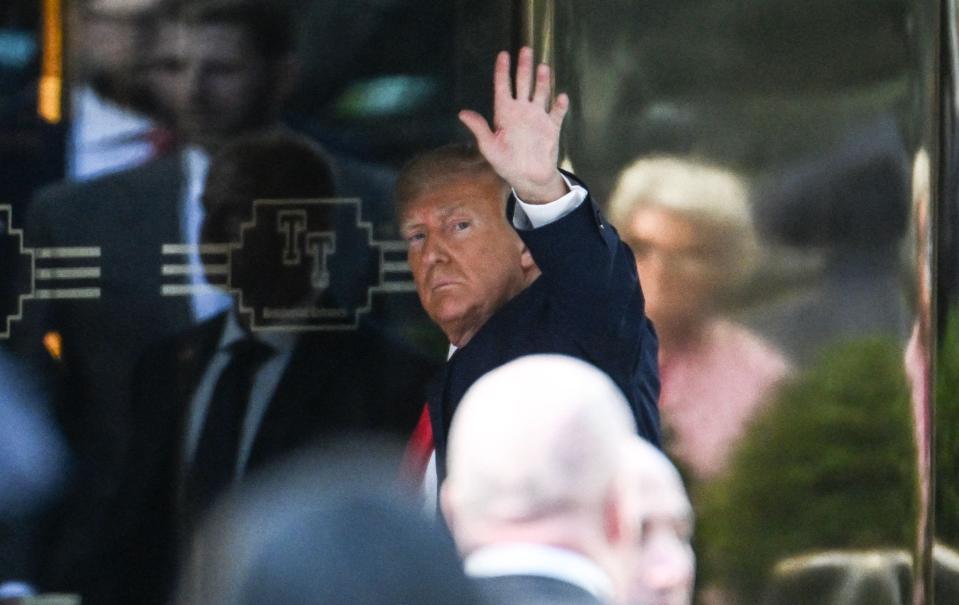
[524, 73]
[502, 88]
[559, 109]
[477, 125]
[543, 86]
[535, 86]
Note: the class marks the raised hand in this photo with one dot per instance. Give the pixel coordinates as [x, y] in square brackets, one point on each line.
[523, 145]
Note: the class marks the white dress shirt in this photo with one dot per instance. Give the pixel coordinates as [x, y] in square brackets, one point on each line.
[206, 300]
[104, 137]
[534, 216]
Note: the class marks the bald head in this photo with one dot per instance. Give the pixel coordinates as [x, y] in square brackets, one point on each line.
[535, 439]
[661, 563]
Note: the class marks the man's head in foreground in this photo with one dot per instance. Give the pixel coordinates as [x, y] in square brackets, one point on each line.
[661, 563]
[534, 457]
[466, 258]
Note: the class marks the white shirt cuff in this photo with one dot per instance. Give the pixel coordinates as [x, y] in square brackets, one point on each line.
[533, 216]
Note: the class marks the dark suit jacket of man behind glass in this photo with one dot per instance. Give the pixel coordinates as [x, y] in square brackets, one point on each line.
[587, 303]
[336, 382]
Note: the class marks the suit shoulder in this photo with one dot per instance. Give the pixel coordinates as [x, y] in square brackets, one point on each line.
[97, 191]
[75, 213]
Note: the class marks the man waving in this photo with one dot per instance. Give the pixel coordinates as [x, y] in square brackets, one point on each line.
[512, 257]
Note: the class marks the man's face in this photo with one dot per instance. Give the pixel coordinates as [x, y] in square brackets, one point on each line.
[663, 565]
[467, 260]
[213, 81]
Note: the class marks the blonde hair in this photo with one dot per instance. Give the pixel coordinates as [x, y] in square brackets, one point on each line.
[714, 198]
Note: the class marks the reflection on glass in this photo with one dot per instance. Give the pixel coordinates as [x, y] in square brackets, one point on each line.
[690, 228]
[918, 355]
[831, 472]
[943, 236]
[111, 261]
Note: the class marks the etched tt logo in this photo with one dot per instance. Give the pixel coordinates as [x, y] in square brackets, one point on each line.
[301, 264]
[317, 246]
[56, 273]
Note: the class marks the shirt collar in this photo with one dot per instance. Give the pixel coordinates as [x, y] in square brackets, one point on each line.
[196, 161]
[540, 560]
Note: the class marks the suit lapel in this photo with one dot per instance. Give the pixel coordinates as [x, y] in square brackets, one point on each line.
[194, 350]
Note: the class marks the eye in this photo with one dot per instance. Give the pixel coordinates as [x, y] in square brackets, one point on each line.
[414, 238]
[461, 225]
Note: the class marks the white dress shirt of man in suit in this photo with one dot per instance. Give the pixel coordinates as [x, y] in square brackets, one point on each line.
[111, 127]
[534, 497]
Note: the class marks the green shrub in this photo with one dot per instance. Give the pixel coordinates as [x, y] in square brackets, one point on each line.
[830, 464]
[947, 434]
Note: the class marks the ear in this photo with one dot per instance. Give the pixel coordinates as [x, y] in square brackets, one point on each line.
[614, 522]
[446, 506]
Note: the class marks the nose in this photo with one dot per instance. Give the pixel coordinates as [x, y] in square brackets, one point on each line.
[194, 84]
[435, 250]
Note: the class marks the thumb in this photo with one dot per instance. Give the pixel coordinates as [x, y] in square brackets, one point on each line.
[477, 125]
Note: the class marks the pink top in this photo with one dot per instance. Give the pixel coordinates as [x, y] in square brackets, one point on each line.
[711, 391]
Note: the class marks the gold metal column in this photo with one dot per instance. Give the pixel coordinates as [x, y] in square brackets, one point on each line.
[50, 103]
[537, 27]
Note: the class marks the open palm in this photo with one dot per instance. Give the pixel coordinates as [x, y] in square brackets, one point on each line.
[523, 145]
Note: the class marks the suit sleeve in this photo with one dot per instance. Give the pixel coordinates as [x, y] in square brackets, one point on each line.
[594, 287]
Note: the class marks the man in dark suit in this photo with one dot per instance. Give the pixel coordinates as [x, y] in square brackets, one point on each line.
[542, 517]
[206, 412]
[554, 279]
[220, 68]
[223, 69]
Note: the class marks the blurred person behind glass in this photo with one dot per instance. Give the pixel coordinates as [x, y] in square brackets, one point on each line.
[111, 110]
[690, 229]
[235, 56]
[227, 397]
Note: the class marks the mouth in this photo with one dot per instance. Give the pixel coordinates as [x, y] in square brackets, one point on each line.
[443, 285]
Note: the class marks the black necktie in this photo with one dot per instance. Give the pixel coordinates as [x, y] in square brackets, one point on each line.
[214, 464]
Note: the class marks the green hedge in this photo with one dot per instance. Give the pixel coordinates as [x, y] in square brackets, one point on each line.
[830, 464]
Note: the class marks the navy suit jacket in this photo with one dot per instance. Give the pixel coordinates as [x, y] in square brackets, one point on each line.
[586, 304]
